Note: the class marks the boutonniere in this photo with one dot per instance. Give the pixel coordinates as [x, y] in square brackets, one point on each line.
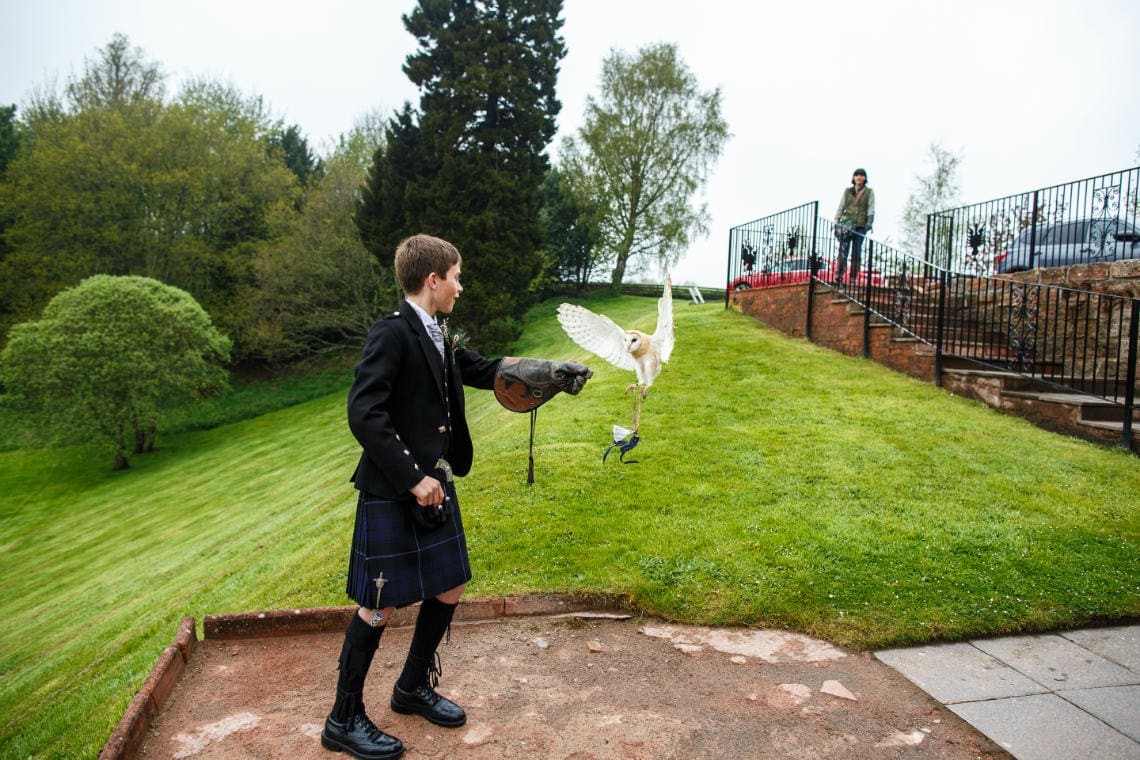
[453, 340]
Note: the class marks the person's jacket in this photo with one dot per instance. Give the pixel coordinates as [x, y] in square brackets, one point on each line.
[858, 211]
[397, 409]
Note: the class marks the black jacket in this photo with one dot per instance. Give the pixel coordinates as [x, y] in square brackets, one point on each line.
[397, 410]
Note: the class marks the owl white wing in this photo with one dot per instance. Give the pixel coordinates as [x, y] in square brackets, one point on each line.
[596, 333]
[663, 337]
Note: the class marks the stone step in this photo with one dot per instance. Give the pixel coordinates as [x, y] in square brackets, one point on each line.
[1062, 397]
[1014, 383]
[962, 343]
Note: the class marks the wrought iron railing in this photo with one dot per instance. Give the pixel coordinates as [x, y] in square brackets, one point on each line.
[771, 250]
[1083, 222]
[1077, 340]
[899, 288]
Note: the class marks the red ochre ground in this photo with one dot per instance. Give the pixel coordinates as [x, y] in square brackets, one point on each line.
[541, 677]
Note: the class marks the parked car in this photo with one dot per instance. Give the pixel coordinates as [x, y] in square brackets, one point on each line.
[780, 273]
[1084, 241]
[790, 271]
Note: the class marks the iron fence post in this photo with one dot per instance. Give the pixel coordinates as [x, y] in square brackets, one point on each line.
[728, 274]
[813, 255]
[1130, 387]
[943, 283]
[1033, 230]
[867, 298]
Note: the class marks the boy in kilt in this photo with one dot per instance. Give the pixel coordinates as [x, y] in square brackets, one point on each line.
[405, 408]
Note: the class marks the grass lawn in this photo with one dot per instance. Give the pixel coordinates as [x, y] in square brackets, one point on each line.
[778, 485]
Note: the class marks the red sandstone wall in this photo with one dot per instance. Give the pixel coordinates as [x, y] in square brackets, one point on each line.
[836, 324]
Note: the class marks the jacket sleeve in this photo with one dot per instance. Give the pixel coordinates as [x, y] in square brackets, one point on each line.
[477, 372]
[871, 203]
[369, 417]
[842, 207]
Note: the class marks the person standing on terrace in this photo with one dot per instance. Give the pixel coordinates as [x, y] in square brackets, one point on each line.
[854, 220]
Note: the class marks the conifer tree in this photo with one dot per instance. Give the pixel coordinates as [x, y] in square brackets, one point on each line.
[470, 168]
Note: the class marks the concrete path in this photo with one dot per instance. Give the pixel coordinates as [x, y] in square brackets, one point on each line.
[1042, 697]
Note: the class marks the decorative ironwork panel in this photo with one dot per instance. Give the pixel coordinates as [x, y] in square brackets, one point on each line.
[1106, 212]
[1106, 202]
[1023, 324]
[902, 296]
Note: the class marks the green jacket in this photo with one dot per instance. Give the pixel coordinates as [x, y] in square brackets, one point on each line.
[859, 211]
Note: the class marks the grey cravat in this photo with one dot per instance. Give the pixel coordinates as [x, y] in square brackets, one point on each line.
[436, 336]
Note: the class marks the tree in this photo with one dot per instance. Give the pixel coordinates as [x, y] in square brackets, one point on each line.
[296, 153]
[316, 288]
[470, 166]
[360, 143]
[106, 358]
[646, 147]
[568, 233]
[936, 191]
[9, 145]
[120, 78]
[387, 203]
[9, 137]
[119, 184]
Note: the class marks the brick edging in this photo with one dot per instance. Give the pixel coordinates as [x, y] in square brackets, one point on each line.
[325, 619]
[127, 738]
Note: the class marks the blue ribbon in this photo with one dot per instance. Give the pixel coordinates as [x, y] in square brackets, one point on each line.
[625, 446]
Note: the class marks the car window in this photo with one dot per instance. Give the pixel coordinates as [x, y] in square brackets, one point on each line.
[1067, 233]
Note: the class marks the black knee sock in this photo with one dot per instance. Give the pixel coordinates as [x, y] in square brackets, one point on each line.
[431, 623]
[360, 644]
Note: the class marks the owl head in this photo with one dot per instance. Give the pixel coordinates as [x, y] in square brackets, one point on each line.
[636, 342]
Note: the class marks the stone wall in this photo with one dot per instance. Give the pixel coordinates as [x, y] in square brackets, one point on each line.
[836, 324]
[1118, 278]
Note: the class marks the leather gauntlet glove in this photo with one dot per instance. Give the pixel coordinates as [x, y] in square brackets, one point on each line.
[523, 384]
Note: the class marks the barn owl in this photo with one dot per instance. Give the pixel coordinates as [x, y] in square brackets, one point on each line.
[626, 349]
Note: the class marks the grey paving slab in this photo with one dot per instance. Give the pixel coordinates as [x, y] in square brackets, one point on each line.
[1056, 662]
[1121, 644]
[1118, 706]
[1046, 727]
[958, 672]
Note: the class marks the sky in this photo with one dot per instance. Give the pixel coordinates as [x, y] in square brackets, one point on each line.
[1030, 93]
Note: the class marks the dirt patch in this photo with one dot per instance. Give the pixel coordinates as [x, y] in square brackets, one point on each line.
[572, 688]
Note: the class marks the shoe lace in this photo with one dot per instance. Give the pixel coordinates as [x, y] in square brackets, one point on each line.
[365, 723]
[435, 670]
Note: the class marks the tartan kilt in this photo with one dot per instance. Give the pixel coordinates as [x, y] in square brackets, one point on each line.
[417, 564]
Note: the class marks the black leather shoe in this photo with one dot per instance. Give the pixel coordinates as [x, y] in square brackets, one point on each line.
[426, 701]
[359, 737]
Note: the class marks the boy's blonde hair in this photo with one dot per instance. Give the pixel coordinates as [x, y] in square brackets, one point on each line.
[420, 255]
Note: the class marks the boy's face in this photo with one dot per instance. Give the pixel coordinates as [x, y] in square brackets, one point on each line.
[445, 290]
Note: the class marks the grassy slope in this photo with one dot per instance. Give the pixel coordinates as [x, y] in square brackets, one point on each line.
[779, 484]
